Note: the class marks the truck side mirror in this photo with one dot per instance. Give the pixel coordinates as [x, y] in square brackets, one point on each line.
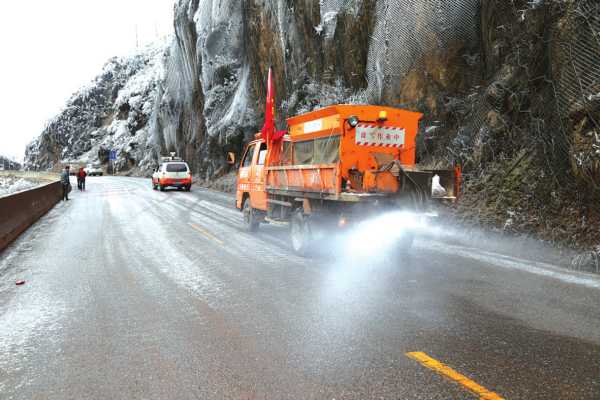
[231, 158]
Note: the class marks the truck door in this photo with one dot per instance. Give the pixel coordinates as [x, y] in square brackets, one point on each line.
[243, 182]
[258, 195]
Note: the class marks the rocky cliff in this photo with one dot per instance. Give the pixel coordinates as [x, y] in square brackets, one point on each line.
[111, 112]
[510, 90]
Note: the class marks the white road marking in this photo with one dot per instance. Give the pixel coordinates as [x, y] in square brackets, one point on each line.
[534, 267]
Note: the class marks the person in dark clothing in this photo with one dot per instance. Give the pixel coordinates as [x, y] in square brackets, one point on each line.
[81, 179]
[66, 183]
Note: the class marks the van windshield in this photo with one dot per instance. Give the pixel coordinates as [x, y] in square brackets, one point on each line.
[177, 167]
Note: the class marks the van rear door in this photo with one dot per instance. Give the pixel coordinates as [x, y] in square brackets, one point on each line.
[178, 170]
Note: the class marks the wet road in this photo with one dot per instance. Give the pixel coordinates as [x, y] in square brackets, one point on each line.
[137, 294]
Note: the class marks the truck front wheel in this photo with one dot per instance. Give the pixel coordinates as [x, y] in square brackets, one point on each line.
[250, 219]
[300, 233]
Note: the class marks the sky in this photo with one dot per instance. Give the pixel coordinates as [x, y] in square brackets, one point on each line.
[49, 49]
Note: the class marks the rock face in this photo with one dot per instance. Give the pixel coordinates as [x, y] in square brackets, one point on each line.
[111, 112]
[322, 52]
[510, 90]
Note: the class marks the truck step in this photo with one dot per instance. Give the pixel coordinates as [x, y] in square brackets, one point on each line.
[280, 203]
[276, 222]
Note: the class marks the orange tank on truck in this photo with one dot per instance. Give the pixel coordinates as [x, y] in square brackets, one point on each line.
[336, 165]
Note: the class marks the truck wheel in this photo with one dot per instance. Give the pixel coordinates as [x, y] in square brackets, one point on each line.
[250, 217]
[188, 188]
[300, 233]
[161, 187]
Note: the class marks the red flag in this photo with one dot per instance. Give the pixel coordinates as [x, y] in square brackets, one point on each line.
[268, 129]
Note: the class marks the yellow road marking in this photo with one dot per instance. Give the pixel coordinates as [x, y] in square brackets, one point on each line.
[207, 234]
[451, 374]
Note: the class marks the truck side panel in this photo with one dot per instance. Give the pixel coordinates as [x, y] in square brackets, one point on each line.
[323, 178]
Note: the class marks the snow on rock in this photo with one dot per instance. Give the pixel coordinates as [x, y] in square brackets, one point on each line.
[202, 94]
[110, 112]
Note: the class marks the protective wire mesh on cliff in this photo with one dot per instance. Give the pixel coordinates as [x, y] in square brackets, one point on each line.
[407, 31]
[569, 94]
[578, 86]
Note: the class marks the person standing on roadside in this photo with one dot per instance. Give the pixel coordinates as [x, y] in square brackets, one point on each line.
[66, 183]
[81, 179]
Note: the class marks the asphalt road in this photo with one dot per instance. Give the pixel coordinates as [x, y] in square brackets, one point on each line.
[136, 294]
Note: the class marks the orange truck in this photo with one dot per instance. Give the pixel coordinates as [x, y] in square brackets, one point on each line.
[336, 166]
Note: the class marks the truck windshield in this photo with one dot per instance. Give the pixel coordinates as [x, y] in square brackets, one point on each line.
[179, 167]
[262, 154]
[249, 156]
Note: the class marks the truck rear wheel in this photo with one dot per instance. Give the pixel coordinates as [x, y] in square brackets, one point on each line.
[300, 233]
[250, 219]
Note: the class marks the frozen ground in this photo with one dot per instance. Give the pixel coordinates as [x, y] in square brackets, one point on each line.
[164, 295]
[13, 184]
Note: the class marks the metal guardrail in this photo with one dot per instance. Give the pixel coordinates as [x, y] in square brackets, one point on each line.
[18, 211]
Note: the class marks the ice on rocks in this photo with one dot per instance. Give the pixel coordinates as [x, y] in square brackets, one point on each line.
[107, 113]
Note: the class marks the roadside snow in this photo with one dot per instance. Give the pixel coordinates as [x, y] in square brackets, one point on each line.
[10, 184]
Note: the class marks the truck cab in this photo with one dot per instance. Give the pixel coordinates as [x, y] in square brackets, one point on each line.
[251, 195]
